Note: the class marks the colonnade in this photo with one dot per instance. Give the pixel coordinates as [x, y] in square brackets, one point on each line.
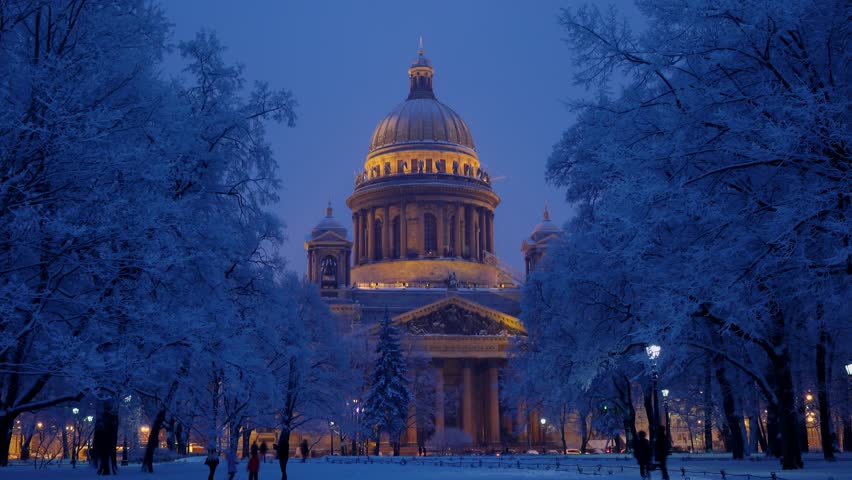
[479, 407]
[462, 230]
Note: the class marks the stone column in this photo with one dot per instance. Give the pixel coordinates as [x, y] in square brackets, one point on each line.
[467, 401]
[493, 405]
[421, 230]
[459, 230]
[439, 398]
[403, 231]
[356, 234]
[386, 228]
[471, 232]
[491, 233]
[440, 231]
[371, 219]
[482, 232]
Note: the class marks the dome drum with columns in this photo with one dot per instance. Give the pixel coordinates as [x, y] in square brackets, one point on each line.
[423, 196]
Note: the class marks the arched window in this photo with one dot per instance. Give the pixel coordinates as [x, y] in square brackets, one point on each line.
[328, 267]
[377, 240]
[430, 234]
[397, 245]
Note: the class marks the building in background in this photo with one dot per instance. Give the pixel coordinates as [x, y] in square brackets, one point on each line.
[422, 247]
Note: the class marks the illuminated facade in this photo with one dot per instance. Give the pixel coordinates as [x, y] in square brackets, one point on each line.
[422, 246]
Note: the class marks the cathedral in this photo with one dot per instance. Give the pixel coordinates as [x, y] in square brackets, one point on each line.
[422, 249]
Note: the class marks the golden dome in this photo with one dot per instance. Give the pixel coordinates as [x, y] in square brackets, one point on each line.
[421, 121]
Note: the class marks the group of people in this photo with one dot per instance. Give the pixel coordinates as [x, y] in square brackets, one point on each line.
[642, 451]
[253, 467]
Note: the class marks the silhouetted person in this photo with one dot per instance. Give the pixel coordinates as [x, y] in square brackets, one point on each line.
[642, 452]
[212, 461]
[303, 447]
[263, 449]
[253, 464]
[661, 451]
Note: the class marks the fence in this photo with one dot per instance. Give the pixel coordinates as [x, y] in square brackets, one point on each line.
[592, 467]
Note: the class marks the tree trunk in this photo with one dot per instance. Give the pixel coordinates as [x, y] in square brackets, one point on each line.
[27, 438]
[825, 424]
[153, 441]
[234, 438]
[283, 451]
[179, 439]
[622, 385]
[847, 434]
[6, 424]
[791, 454]
[65, 452]
[170, 434]
[733, 419]
[582, 416]
[105, 438]
[708, 406]
[761, 436]
[246, 439]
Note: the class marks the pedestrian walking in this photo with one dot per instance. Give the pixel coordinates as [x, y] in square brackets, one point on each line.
[303, 447]
[253, 465]
[212, 461]
[642, 452]
[263, 449]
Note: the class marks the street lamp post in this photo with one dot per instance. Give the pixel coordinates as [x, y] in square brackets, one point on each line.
[543, 430]
[847, 418]
[668, 418]
[653, 352]
[331, 436]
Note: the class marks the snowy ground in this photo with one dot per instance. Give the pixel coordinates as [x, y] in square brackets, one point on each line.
[469, 468]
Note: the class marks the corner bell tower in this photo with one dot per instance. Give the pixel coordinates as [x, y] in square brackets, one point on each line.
[329, 253]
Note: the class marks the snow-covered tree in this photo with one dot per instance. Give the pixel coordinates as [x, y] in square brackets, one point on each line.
[133, 210]
[715, 187]
[387, 401]
[306, 361]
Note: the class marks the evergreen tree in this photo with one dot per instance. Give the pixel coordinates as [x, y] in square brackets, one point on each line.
[387, 402]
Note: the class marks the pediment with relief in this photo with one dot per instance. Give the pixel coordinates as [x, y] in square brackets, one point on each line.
[455, 316]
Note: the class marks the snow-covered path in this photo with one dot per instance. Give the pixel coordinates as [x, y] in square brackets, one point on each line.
[590, 467]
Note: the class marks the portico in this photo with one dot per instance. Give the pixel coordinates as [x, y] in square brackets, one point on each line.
[468, 345]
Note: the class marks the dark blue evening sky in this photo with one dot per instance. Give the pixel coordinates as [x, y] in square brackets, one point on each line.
[501, 65]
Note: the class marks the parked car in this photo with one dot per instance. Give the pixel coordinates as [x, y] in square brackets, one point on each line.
[532, 452]
[552, 452]
[573, 451]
